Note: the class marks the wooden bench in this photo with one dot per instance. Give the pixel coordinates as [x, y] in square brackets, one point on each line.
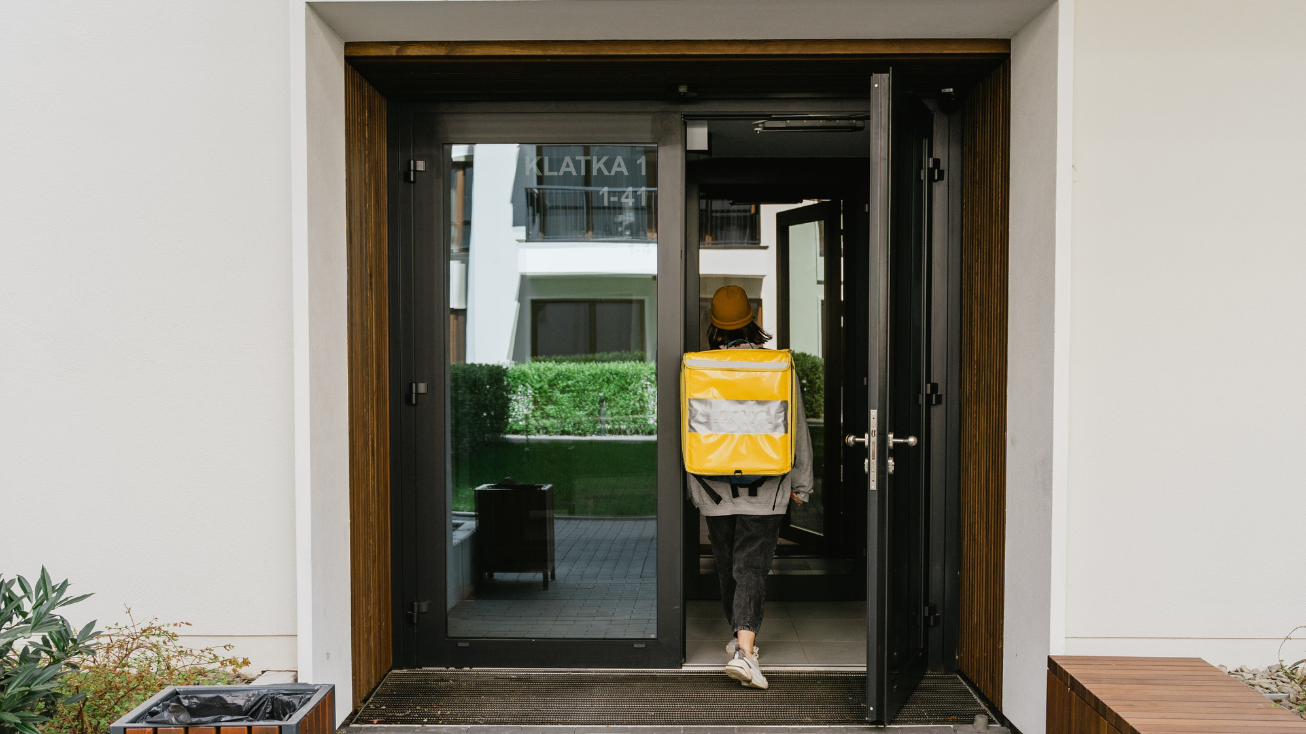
[1115, 695]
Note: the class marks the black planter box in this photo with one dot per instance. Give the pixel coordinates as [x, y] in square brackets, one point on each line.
[514, 530]
[317, 716]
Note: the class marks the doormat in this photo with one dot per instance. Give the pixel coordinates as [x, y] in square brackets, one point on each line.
[666, 698]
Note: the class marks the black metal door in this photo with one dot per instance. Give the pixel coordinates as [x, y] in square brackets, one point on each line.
[898, 616]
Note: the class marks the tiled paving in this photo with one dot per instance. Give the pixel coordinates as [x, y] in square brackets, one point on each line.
[794, 633]
[606, 588]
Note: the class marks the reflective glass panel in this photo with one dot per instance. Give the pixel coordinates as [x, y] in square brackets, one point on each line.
[552, 391]
[806, 281]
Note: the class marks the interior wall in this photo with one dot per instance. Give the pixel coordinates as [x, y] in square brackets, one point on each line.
[146, 451]
[1189, 297]
[985, 226]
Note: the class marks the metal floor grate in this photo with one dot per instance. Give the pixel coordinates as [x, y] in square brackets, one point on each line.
[940, 699]
[669, 698]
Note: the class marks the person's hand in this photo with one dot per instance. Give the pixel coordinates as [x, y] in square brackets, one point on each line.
[794, 497]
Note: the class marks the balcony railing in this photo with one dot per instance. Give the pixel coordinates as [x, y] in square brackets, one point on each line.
[722, 224]
[578, 213]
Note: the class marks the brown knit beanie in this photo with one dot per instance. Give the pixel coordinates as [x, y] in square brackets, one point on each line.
[730, 308]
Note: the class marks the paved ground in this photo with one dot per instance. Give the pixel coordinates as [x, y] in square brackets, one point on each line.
[606, 588]
[794, 633]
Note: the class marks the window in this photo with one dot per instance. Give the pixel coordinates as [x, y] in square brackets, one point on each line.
[722, 223]
[605, 330]
[584, 192]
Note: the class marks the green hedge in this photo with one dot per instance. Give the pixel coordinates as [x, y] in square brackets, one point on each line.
[582, 398]
[589, 477]
[811, 378]
[479, 406]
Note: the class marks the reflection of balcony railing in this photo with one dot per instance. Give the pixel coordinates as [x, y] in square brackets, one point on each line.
[722, 224]
[591, 213]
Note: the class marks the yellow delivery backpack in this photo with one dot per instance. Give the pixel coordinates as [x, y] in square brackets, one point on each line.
[737, 411]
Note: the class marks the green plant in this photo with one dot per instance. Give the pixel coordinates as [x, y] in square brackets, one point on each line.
[583, 398]
[38, 647]
[811, 378]
[133, 662]
[1295, 672]
[479, 405]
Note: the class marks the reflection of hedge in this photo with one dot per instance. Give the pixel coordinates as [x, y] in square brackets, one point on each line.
[589, 476]
[479, 405]
[811, 376]
[600, 357]
[566, 398]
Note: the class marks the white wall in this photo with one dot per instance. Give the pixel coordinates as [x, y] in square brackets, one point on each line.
[1187, 412]
[1036, 349]
[146, 367]
[319, 288]
[492, 275]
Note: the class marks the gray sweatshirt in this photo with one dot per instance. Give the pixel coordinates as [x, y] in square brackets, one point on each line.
[772, 494]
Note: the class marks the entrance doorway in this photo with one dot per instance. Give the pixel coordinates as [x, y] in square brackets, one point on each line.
[552, 268]
[776, 214]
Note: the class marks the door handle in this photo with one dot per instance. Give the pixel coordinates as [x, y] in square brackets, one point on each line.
[910, 441]
[853, 440]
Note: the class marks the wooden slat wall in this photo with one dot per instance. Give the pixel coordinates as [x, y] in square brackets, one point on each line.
[369, 375]
[986, 152]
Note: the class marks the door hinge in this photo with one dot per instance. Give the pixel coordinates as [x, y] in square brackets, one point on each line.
[416, 608]
[936, 169]
[415, 389]
[415, 167]
[931, 396]
[931, 614]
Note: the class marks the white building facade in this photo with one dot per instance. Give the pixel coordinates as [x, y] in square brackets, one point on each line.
[173, 380]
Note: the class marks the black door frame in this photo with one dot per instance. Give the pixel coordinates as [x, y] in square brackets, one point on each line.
[414, 206]
[424, 133]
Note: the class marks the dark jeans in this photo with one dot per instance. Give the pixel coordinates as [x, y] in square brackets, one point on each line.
[743, 546]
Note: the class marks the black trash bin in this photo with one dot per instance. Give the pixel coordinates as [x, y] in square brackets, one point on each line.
[288, 708]
[514, 530]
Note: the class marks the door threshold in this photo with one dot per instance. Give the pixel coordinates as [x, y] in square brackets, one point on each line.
[793, 668]
[654, 729]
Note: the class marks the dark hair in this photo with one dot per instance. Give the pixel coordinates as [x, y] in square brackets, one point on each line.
[751, 333]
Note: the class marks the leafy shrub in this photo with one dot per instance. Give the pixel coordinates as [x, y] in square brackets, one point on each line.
[38, 648]
[811, 378]
[479, 409]
[133, 662]
[583, 398]
[599, 357]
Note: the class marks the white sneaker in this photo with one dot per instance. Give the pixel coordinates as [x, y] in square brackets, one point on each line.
[733, 646]
[746, 671]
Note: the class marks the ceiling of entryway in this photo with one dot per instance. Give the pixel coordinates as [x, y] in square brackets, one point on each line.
[488, 20]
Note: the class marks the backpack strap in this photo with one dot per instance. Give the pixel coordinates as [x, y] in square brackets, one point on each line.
[711, 493]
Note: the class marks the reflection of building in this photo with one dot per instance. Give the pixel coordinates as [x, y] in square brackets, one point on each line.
[746, 257]
[562, 259]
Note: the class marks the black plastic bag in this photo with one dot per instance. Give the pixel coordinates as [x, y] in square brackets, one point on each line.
[243, 706]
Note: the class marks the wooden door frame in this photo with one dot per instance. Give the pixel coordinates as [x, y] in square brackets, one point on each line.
[371, 227]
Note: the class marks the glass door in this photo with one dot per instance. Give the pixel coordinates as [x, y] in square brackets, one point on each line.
[545, 457]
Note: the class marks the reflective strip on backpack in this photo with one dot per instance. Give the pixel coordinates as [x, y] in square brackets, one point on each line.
[707, 415]
[722, 364]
